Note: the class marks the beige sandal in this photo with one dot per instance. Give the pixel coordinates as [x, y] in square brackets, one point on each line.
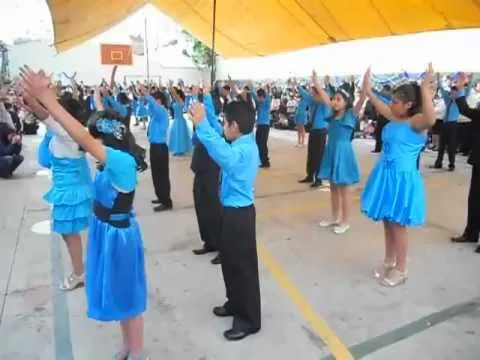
[381, 270]
[341, 229]
[326, 224]
[394, 278]
[73, 282]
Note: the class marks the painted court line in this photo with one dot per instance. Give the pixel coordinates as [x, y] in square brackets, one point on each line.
[320, 327]
[404, 332]
[63, 343]
[12, 265]
[61, 316]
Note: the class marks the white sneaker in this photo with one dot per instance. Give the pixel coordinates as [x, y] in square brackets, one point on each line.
[341, 229]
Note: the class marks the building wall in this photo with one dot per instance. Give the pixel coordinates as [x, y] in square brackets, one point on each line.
[85, 60]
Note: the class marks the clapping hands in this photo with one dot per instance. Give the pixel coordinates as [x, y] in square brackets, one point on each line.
[36, 85]
[197, 113]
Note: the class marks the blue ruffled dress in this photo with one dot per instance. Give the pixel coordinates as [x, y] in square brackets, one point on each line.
[395, 191]
[135, 106]
[180, 141]
[339, 164]
[141, 109]
[301, 113]
[115, 277]
[71, 193]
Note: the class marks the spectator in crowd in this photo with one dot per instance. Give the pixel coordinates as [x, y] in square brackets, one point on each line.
[10, 148]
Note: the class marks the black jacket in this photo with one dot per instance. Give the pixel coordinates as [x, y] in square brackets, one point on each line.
[201, 160]
[474, 115]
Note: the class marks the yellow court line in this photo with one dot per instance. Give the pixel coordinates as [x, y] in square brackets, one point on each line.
[321, 328]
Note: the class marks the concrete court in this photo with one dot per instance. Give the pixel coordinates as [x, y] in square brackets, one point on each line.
[318, 296]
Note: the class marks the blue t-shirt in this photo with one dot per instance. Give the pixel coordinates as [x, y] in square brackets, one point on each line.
[158, 125]
[238, 162]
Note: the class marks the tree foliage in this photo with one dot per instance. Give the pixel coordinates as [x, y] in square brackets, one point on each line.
[200, 53]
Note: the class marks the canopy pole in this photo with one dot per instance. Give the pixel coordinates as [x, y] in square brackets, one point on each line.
[213, 57]
[146, 52]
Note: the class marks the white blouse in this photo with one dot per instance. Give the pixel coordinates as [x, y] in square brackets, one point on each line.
[62, 145]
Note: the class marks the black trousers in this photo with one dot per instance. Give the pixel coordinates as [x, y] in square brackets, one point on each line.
[465, 137]
[448, 140]
[159, 163]
[238, 249]
[208, 207]
[381, 122]
[316, 147]
[261, 136]
[472, 229]
[8, 164]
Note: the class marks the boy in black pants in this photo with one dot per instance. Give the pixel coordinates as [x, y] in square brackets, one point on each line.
[238, 160]
[159, 160]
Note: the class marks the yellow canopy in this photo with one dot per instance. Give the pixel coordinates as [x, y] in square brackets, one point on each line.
[264, 27]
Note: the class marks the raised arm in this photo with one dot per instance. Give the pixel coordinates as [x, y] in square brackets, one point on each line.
[321, 91]
[306, 95]
[426, 119]
[379, 105]
[233, 87]
[221, 152]
[38, 87]
[113, 86]
[211, 116]
[357, 108]
[33, 106]
[97, 99]
[462, 83]
[73, 84]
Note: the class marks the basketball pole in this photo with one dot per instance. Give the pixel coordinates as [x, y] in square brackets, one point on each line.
[146, 51]
[213, 58]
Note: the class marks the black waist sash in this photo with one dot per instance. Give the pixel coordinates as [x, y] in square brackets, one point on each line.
[119, 215]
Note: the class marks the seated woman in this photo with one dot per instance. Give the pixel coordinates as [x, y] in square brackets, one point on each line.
[10, 148]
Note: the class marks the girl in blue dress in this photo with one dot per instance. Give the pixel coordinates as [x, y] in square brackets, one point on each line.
[180, 141]
[141, 114]
[115, 281]
[339, 164]
[71, 195]
[395, 192]
[301, 116]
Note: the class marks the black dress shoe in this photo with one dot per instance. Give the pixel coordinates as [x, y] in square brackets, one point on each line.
[435, 166]
[204, 250]
[222, 311]
[156, 202]
[477, 250]
[316, 184]
[463, 239]
[306, 180]
[265, 166]
[451, 168]
[235, 335]
[216, 260]
[162, 207]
